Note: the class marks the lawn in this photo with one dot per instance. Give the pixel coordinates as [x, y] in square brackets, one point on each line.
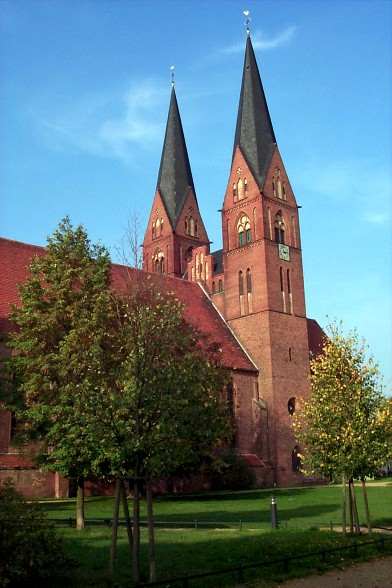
[226, 542]
[298, 507]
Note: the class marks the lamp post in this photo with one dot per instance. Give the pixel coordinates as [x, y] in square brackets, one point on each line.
[274, 513]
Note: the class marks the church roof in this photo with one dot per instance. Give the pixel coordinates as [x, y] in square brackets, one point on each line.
[254, 132]
[217, 257]
[175, 176]
[15, 258]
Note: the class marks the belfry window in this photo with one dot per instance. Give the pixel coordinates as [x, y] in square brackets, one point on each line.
[220, 286]
[191, 226]
[157, 227]
[279, 228]
[158, 262]
[244, 231]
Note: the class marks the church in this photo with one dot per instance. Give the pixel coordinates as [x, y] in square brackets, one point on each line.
[248, 296]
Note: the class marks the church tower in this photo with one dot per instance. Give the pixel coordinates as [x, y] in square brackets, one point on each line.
[263, 299]
[175, 226]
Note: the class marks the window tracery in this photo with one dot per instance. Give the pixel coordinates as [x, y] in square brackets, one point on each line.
[244, 230]
[158, 262]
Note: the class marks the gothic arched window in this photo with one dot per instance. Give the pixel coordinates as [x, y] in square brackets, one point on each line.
[158, 262]
[244, 230]
[241, 282]
[186, 225]
[235, 192]
[291, 405]
[296, 459]
[279, 228]
[248, 281]
[220, 286]
[191, 226]
[196, 229]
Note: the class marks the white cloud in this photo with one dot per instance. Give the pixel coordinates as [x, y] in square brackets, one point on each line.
[263, 42]
[377, 218]
[367, 182]
[109, 126]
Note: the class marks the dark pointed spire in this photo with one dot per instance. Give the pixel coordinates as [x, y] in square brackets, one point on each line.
[175, 176]
[254, 132]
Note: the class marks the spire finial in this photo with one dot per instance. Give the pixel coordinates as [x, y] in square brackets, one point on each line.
[246, 13]
[172, 69]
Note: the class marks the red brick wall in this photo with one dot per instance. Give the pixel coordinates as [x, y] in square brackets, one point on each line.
[266, 331]
[5, 430]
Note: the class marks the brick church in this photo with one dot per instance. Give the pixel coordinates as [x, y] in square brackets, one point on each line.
[248, 296]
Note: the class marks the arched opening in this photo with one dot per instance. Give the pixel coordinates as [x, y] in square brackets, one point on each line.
[244, 231]
[296, 459]
[191, 226]
[291, 405]
[279, 228]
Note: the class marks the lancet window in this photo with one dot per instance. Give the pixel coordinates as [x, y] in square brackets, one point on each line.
[157, 227]
[279, 228]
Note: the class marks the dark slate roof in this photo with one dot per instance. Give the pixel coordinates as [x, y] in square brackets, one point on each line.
[175, 176]
[254, 132]
[217, 256]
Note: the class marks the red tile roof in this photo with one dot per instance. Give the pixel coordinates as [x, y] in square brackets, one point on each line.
[15, 258]
[316, 337]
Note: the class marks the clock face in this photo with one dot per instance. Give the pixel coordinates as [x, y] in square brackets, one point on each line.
[284, 252]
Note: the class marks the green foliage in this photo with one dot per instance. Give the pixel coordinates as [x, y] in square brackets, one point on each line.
[29, 547]
[111, 384]
[231, 472]
[162, 408]
[345, 426]
[60, 324]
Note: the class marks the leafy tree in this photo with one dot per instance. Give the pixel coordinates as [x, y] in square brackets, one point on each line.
[344, 428]
[60, 328]
[163, 410]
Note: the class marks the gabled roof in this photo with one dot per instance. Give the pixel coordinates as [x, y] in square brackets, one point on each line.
[316, 337]
[254, 132]
[15, 258]
[175, 176]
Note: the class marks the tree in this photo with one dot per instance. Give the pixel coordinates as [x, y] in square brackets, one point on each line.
[164, 408]
[60, 328]
[344, 428]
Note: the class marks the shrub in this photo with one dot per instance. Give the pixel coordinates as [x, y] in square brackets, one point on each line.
[231, 472]
[29, 547]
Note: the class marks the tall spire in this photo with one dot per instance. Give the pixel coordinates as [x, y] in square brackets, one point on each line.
[254, 132]
[175, 176]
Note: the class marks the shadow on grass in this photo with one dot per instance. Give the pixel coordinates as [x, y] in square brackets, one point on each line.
[188, 553]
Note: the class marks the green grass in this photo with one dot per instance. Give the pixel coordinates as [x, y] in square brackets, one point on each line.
[186, 551]
[298, 507]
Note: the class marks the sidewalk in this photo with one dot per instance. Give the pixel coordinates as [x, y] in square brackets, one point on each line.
[376, 573]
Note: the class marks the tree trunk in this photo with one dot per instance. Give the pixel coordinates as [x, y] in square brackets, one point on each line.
[116, 510]
[80, 520]
[151, 536]
[350, 507]
[126, 515]
[136, 533]
[355, 509]
[344, 506]
[365, 499]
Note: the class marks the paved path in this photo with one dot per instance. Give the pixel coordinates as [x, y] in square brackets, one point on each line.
[371, 574]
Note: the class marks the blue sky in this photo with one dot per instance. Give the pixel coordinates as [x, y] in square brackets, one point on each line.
[84, 95]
